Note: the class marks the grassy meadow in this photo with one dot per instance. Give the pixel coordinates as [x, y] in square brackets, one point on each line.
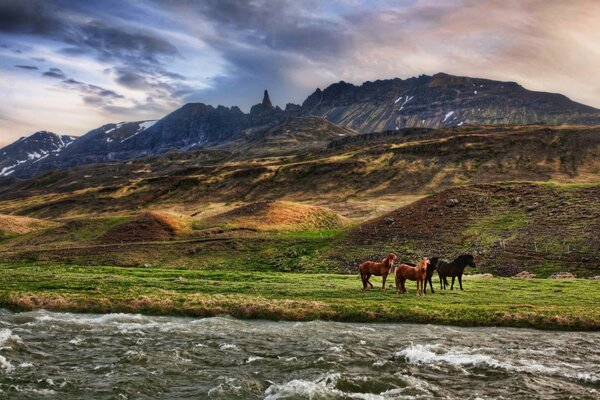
[537, 303]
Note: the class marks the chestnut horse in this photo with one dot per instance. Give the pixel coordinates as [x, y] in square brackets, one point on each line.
[418, 273]
[382, 269]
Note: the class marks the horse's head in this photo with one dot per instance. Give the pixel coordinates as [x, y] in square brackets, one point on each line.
[423, 264]
[392, 257]
[467, 259]
[433, 261]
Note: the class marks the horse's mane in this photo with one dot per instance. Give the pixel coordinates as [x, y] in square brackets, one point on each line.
[464, 258]
[422, 265]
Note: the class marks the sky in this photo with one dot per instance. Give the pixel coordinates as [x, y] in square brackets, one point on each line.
[69, 66]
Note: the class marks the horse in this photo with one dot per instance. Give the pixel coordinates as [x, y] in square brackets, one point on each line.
[454, 269]
[418, 273]
[432, 266]
[382, 269]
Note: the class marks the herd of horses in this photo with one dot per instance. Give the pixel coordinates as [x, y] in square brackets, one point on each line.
[421, 273]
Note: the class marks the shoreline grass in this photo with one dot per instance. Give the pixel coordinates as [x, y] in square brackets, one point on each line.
[508, 302]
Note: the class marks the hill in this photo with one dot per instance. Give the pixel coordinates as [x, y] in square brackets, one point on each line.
[278, 215]
[353, 178]
[291, 136]
[509, 227]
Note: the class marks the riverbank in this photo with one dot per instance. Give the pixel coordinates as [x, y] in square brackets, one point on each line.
[536, 303]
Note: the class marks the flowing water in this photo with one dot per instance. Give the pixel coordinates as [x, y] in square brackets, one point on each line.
[117, 356]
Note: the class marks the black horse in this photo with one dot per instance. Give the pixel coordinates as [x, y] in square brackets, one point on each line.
[433, 262]
[454, 269]
[430, 269]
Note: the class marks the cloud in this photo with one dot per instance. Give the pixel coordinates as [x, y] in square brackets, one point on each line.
[28, 17]
[153, 55]
[54, 73]
[27, 67]
[92, 94]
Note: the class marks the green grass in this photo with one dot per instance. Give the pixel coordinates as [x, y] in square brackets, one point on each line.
[491, 229]
[538, 303]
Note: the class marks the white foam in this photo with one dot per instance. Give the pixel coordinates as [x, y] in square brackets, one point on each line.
[253, 358]
[425, 354]
[228, 346]
[6, 365]
[6, 336]
[322, 387]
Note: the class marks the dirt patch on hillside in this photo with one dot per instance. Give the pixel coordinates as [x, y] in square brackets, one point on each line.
[279, 215]
[148, 226]
[509, 227]
[12, 224]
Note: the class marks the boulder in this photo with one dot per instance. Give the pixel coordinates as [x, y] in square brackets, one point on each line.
[524, 275]
[452, 202]
[562, 275]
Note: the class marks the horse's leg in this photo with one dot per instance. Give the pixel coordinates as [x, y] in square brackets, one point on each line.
[418, 287]
[402, 282]
[397, 281]
[368, 281]
[452, 287]
[383, 277]
[430, 285]
[441, 282]
[460, 281]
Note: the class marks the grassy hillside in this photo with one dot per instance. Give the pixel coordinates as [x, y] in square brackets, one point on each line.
[350, 177]
[510, 227]
[324, 209]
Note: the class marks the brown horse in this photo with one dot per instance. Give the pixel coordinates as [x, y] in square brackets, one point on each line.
[418, 273]
[382, 269]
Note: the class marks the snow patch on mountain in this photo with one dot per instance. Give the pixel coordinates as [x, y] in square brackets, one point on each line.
[141, 128]
[448, 115]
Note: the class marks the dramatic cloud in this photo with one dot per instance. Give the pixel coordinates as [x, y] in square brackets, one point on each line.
[123, 60]
[54, 73]
[27, 67]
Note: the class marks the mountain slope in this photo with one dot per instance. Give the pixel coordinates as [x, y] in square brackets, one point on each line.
[292, 135]
[31, 150]
[442, 100]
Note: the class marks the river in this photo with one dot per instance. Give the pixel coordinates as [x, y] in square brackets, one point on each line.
[116, 356]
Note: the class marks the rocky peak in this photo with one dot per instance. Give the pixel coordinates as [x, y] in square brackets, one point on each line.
[266, 103]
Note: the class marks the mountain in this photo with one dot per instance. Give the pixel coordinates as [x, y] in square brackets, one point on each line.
[442, 100]
[97, 145]
[31, 150]
[195, 125]
[429, 102]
